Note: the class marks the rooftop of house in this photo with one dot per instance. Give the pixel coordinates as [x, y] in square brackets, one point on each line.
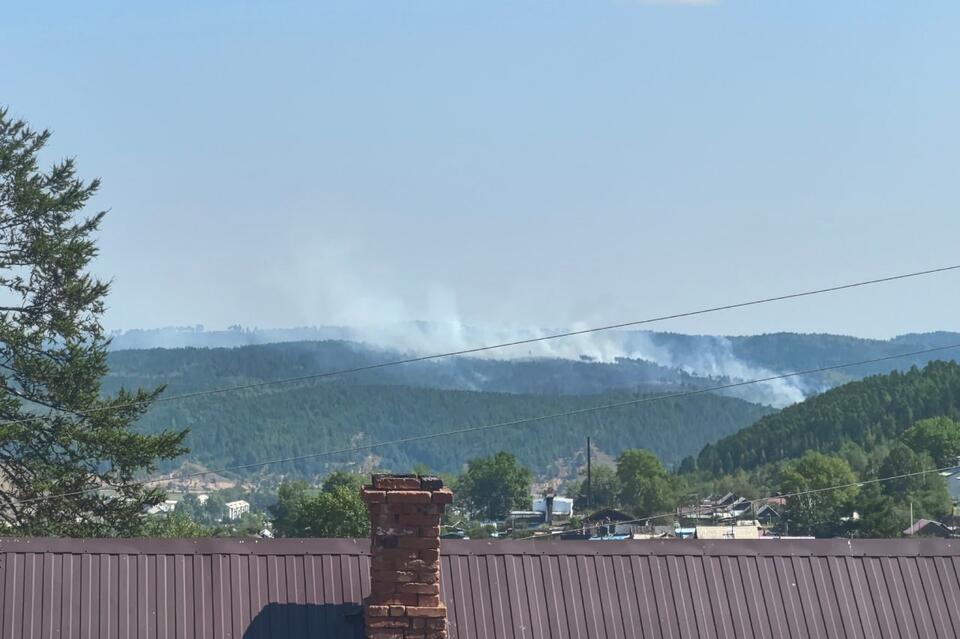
[929, 527]
[249, 589]
[607, 515]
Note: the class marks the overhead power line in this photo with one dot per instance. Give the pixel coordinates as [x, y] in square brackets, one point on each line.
[511, 423]
[877, 480]
[490, 347]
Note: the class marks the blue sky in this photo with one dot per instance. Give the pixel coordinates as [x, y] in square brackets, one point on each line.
[515, 163]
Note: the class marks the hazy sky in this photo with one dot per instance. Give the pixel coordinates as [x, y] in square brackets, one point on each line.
[523, 162]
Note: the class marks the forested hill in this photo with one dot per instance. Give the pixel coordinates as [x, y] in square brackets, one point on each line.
[393, 402]
[192, 369]
[637, 361]
[866, 413]
[241, 428]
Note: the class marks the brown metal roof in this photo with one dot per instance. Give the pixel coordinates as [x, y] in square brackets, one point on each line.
[312, 588]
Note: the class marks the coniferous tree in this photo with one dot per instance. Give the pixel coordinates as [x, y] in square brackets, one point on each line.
[69, 459]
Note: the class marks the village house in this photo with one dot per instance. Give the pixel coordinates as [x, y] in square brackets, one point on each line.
[929, 528]
[732, 530]
[609, 521]
[236, 509]
[167, 506]
[729, 508]
[404, 583]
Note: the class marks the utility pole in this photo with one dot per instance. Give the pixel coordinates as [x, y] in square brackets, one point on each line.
[589, 478]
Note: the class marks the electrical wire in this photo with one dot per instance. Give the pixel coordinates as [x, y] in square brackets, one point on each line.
[800, 493]
[490, 347]
[506, 424]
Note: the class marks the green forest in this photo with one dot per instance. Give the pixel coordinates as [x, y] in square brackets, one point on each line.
[867, 413]
[277, 422]
[191, 369]
[373, 406]
[832, 455]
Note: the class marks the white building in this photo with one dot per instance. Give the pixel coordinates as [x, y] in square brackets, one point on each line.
[202, 498]
[236, 509]
[735, 530]
[166, 507]
[562, 506]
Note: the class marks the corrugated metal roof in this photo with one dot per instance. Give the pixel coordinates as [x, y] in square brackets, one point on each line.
[312, 588]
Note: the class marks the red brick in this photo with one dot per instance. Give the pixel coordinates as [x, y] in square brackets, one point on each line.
[397, 611]
[373, 496]
[442, 496]
[429, 600]
[415, 564]
[419, 543]
[395, 599]
[421, 520]
[420, 588]
[430, 555]
[436, 634]
[386, 634]
[428, 577]
[427, 611]
[392, 576]
[383, 587]
[395, 531]
[385, 521]
[436, 624]
[415, 507]
[430, 531]
[397, 483]
[399, 554]
[378, 611]
[383, 509]
[408, 497]
[388, 622]
[432, 509]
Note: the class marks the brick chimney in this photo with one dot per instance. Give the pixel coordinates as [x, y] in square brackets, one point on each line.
[404, 601]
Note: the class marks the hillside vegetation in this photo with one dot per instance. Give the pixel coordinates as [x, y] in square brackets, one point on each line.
[245, 427]
[191, 369]
[391, 403]
[647, 362]
[866, 413]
